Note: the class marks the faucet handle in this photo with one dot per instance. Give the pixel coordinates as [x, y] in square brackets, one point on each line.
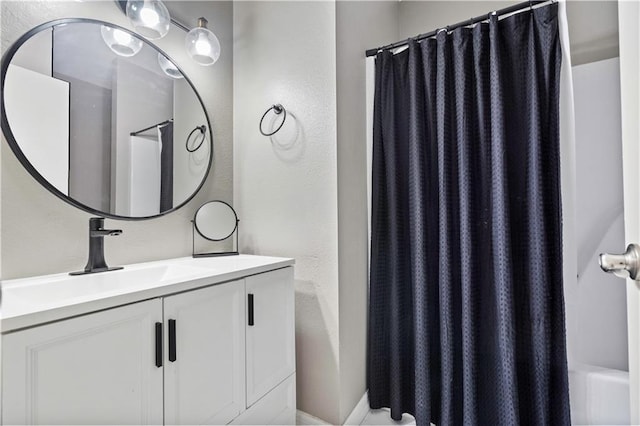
[96, 262]
[96, 228]
[96, 223]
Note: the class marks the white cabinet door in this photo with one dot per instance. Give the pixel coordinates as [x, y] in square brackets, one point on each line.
[204, 377]
[270, 331]
[94, 369]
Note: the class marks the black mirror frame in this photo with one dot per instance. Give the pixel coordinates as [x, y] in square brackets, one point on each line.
[15, 147]
[195, 223]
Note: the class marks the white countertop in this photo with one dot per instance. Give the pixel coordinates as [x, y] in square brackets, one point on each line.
[31, 301]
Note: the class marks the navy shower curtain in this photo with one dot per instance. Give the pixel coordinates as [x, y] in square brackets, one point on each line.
[466, 321]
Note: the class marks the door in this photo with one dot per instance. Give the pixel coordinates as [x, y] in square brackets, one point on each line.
[270, 331]
[628, 264]
[204, 355]
[39, 115]
[628, 19]
[76, 371]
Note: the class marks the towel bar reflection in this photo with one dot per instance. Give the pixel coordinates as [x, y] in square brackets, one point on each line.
[278, 109]
[196, 146]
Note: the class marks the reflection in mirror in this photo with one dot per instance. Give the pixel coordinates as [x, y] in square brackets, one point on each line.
[104, 118]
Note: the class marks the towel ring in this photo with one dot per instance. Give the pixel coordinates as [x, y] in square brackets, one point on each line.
[278, 109]
[203, 130]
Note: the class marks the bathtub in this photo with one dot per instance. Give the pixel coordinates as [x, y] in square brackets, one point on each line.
[599, 396]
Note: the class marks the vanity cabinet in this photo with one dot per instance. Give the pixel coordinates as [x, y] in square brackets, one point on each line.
[94, 369]
[270, 332]
[218, 354]
[204, 355]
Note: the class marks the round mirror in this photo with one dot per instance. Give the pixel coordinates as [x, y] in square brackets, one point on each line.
[216, 220]
[101, 117]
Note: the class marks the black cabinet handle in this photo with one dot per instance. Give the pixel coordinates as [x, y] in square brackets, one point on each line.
[158, 344]
[250, 301]
[172, 340]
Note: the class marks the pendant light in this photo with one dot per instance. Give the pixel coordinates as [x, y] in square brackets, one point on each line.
[149, 17]
[169, 67]
[120, 42]
[202, 45]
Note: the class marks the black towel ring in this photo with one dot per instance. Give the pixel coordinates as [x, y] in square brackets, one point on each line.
[203, 130]
[278, 109]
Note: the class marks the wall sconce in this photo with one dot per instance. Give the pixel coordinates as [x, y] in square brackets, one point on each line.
[120, 42]
[169, 67]
[202, 45]
[151, 19]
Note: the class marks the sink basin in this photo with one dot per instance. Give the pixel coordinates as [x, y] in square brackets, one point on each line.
[37, 300]
[66, 287]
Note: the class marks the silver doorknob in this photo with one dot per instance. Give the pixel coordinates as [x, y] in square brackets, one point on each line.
[626, 265]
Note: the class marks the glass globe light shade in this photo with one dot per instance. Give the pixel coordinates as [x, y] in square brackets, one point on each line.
[202, 45]
[120, 42]
[169, 67]
[150, 18]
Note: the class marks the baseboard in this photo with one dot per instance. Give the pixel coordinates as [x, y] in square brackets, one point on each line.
[303, 418]
[356, 417]
[359, 412]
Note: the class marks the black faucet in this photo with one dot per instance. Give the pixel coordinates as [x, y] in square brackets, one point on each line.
[96, 262]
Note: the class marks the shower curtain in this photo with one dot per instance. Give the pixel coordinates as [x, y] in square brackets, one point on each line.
[165, 136]
[466, 310]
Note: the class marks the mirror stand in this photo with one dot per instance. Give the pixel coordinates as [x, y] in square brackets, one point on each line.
[214, 221]
[214, 254]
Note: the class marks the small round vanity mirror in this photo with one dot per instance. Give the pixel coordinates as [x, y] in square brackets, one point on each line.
[216, 220]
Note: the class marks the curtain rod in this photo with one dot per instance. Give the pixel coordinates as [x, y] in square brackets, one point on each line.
[151, 127]
[505, 11]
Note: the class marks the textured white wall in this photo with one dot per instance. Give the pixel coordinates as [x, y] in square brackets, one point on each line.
[42, 234]
[421, 16]
[295, 190]
[593, 30]
[285, 188]
[360, 25]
